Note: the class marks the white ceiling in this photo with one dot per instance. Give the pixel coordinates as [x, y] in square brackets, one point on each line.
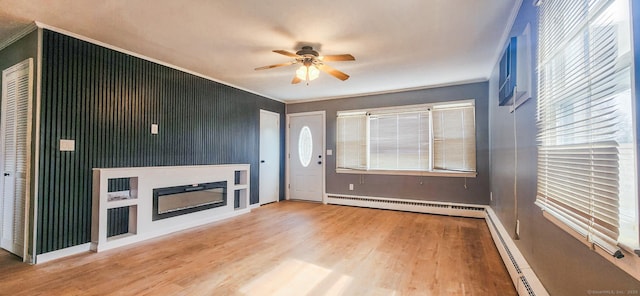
[404, 44]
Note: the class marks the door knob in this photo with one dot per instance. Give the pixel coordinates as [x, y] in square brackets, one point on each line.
[262, 161]
[319, 162]
[6, 174]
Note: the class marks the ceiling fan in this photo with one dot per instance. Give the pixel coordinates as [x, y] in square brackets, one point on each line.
[311, 64]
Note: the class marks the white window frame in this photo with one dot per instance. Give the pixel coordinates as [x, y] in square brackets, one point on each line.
[364, 168]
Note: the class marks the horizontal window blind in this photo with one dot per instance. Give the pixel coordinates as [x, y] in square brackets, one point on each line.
[585, 124]
[399, 141]
[351, 142]
[425, 137]
[454, 139]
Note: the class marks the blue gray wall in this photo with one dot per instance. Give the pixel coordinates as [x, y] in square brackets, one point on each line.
[446, 189]
[564, 265]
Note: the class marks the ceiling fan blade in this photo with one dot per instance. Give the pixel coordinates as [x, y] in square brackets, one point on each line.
[287, 53]
[295, 80]
[338, 58]
[333, 72]
[276, 66]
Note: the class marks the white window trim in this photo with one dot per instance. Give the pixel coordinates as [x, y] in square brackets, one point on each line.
[426, 173]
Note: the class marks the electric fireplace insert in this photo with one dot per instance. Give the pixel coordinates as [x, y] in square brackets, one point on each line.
[179, 200]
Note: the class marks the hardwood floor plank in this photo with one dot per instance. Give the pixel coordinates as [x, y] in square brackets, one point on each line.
[286, 248]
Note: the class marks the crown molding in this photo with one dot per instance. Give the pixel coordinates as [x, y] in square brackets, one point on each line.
[18, 35]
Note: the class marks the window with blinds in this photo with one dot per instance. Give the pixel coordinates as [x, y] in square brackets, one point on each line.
[454, 141]
[417, 138]
[351, 150]
[587, 176]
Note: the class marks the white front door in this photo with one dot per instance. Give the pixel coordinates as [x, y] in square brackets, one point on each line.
[16, 103]
[306, 156]
[269, 157]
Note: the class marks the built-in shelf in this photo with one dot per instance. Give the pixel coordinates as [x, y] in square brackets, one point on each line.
[132, 188]
[130, 222]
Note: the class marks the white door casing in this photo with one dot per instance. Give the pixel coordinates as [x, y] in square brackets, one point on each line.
[269, 157]
[17, 93]
[306, 159]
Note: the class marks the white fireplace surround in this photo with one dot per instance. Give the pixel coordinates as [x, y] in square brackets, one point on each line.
[139, 200]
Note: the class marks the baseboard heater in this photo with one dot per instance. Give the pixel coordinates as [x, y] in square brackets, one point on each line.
[523, 277]
[407, 205]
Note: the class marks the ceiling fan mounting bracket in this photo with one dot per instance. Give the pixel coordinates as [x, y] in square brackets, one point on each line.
[307, 51]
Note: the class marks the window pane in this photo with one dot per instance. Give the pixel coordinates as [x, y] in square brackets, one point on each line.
[454, 139]
[399, 141]
[351, 148]
[305, 146]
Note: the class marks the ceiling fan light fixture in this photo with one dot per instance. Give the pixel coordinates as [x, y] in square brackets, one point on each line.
[311, 64]
[307, 73]
[313, 72]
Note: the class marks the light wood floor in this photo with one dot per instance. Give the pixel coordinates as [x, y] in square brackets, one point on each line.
[286, 248]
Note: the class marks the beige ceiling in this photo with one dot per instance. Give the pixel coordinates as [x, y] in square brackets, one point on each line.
[403, 44]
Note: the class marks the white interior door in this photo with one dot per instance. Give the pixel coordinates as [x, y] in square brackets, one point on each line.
[269, 157]
[306, 156]
[16, 99]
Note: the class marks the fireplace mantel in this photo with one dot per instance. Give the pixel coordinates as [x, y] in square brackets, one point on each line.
[138, 199]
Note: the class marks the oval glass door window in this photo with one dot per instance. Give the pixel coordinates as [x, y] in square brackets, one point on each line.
[305, 146]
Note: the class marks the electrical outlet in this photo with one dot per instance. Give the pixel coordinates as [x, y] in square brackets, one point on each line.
[490, 196]
[350, 186]
[518, 228]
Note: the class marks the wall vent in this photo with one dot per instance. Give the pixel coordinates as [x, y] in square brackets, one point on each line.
[429, 207]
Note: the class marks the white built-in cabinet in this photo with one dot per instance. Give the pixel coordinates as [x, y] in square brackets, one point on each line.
[139, 199]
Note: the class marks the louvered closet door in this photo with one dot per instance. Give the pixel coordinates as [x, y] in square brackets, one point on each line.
[16, 96]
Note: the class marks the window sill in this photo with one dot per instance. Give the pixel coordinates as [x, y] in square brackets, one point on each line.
[436, 173]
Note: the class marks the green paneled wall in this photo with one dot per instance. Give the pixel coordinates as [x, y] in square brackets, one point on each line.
[106, 101]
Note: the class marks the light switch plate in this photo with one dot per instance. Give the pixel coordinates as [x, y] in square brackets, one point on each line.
[67, 145]
[329, 152]
[154, 128]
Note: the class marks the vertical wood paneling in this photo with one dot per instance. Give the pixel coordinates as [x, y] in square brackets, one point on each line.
[117, 221]
[106, 101]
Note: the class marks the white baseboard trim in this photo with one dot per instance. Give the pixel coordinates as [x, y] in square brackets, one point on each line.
[46, 257]
[523, 277]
